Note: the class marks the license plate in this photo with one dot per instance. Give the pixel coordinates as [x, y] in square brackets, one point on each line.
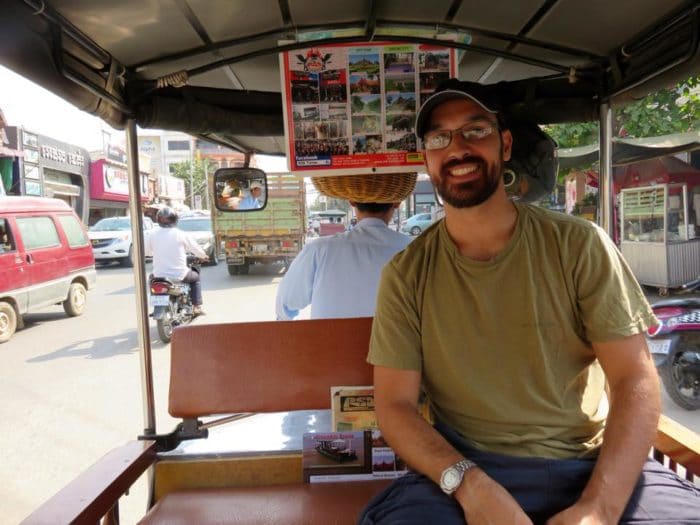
[259, 248]
[160, 300]
[659, 346]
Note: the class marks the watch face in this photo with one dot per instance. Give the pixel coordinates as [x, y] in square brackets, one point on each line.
[451, 479]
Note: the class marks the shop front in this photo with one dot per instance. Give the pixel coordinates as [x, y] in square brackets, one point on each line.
[109, 185]
[49, 168]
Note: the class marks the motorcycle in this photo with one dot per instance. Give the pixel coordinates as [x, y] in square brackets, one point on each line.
[675, 346]
[172, 302]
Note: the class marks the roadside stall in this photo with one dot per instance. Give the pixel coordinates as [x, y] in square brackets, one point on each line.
[658, 226]
[657, 205]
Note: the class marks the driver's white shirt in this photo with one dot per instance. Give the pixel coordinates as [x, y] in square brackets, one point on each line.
[169, 248]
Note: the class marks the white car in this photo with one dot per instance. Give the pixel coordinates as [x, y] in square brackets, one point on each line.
[111, 239]
[199, 227]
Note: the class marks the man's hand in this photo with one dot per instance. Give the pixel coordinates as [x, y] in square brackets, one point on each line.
[580, 514]
[486, 502]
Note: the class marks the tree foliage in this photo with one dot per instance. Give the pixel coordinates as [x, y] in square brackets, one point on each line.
[666, 111]
[195, 170]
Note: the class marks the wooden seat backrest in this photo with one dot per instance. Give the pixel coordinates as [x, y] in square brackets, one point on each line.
[270, 366]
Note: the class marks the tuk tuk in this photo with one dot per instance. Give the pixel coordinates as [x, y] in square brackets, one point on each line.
[212, 69]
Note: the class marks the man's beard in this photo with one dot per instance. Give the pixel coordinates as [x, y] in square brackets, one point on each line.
[472, 193]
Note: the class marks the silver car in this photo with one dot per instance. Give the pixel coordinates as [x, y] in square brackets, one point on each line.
[200, 228]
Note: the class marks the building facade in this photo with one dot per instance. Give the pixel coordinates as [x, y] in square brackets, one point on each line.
[49, 168]
[109, 184]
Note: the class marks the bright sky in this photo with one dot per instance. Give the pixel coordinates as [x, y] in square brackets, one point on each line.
[35, 109]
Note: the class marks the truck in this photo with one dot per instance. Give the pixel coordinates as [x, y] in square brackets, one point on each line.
[275, 234]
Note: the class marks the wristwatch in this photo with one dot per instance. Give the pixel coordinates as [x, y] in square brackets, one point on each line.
[452, 476]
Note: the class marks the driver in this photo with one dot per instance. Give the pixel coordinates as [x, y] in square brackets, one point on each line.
[169, 246]
[252, 201]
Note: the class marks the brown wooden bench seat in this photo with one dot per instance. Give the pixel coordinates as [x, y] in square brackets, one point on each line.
[260, 367]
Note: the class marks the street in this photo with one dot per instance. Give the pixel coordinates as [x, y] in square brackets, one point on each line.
[71, 386]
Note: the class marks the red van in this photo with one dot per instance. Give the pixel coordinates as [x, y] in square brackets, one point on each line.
[45, 259]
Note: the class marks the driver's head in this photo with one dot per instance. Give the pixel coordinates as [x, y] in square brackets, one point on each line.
[166, 217]
[256, 189]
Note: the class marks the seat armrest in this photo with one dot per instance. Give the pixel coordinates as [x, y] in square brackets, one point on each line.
[93, 493]
[680, 444]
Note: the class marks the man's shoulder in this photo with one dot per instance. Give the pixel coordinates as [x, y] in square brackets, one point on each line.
[320, 243]
[395, 237]
[160, 232]
[418, 249]
[544, 218]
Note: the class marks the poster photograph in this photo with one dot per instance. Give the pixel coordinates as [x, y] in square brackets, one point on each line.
[351, 108]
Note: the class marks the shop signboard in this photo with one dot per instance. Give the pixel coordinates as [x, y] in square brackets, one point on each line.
[151, 147]
[351, 108]
[61, 156]
[110, 182]
[32, 188]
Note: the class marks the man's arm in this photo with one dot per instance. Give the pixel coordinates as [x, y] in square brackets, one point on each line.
[193, 247]
[295, 290]
[426, 451]
[148, 246]
[629, 432]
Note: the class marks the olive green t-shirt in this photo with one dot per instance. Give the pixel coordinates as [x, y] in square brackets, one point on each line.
[504, 346]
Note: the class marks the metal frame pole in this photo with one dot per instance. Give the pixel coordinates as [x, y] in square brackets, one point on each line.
[142, 329]
[606, 197]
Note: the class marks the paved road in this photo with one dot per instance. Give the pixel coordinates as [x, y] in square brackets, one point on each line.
[70, 387]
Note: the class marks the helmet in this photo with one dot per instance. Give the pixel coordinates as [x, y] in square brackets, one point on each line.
[166, 217]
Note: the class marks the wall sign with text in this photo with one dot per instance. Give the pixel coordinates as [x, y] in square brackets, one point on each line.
[351, 108]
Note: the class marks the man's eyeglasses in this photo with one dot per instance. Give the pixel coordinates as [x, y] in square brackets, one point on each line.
[441, 138]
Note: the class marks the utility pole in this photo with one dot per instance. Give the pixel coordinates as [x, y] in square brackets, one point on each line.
[191, 187]
[206, 184]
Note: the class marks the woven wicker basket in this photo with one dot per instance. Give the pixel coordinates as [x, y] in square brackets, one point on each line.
[375, 187]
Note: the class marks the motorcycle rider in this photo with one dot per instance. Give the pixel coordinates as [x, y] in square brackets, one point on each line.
[169, 246]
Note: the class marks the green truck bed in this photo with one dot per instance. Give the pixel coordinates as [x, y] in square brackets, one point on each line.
[275, 233]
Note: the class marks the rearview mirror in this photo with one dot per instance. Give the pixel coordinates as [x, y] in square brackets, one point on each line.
[240, 189]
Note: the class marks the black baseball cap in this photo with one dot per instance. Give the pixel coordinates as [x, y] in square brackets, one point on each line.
[453, 89]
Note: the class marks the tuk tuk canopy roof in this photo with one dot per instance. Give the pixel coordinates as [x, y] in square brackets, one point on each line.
[210, 67]
[629, 151]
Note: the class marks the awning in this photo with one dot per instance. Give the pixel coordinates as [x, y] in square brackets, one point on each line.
[59, 188]
[628, 151]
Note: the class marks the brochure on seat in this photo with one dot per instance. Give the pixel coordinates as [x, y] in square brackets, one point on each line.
[348, 456]
[352, 408]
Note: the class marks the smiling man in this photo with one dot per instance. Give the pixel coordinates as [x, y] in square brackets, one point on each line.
[511, 319]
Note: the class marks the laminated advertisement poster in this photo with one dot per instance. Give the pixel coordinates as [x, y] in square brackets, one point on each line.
[349, 456]
[351, 108]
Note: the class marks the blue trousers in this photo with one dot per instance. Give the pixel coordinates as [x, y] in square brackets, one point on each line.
[192, 278]
[542, 487]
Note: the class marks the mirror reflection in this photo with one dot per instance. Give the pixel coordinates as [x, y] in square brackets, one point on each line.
[240, 189]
